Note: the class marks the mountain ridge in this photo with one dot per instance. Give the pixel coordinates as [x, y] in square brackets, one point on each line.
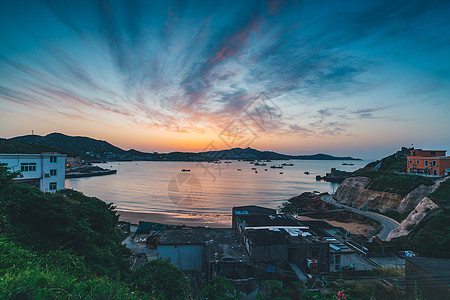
[93, 149]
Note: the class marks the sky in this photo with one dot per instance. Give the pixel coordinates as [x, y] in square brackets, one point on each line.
[359, 78]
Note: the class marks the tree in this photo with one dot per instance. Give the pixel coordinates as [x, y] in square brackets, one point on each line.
[161, 279]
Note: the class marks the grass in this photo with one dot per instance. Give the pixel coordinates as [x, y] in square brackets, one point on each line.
[441, 196]
[394, 183]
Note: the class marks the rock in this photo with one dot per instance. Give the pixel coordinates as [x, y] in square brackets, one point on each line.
[412, 199]
[352, 192]
[417, 215]
[350, 189]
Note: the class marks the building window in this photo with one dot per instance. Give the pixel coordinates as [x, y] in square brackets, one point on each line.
[418, 162]
[52, 159]
[53, 172]
[52, 186]
[434, 163]
[4, 165]
[434, 172]
[426, 163]
[27, 167]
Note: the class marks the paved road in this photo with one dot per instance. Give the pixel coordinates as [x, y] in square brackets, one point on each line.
[387, 223]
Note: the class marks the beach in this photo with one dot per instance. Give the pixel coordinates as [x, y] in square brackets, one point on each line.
[210, 220]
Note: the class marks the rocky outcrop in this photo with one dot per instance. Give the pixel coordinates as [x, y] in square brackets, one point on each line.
[352, 192]
[412, 199]
[421, 210]
[349, 190]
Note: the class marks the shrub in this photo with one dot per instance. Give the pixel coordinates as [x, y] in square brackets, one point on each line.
[161, 279]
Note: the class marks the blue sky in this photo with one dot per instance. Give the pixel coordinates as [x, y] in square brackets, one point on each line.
[359, 78]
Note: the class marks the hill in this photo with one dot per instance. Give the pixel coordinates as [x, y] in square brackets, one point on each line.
[89, 148]
[13, 146]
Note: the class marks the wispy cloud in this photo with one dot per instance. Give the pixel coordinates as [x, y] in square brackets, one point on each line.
[195, 66]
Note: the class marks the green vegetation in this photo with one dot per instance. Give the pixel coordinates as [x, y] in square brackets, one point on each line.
[394, 183]
[340, 291]
[160, 279]
[441, 196]
[56, 275]
[433, 240]
[219, 289]
[394, 162]
[67, 245]
[12, 146]
[66, 220]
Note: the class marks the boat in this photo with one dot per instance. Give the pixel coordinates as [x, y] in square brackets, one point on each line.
[260, 164]
[276, 167]
[239, 169]
[306, 172]
[287, 164]
[253, 168]
[256, 171]
[281, 172]
[265, 169]
[185, 170]
[227, 162]
[347, 164]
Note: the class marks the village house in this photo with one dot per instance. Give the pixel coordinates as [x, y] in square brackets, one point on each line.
[428, 162]
[45, 171]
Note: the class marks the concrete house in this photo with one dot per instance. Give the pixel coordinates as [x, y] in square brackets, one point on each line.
[45, 171]
[428, 162]
[281, 240]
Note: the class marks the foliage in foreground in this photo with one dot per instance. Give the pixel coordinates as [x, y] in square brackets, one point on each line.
[341, 291]
[67, 246]
[65, 220]
[56, 275]
[160, 279]
[219, 289]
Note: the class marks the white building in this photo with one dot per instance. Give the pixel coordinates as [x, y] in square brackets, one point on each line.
[46, 170]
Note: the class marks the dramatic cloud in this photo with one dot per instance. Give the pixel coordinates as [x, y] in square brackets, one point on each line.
[282, 67]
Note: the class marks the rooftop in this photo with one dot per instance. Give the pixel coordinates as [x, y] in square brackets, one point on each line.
[224, 244]
[267, 237]
[276, 220]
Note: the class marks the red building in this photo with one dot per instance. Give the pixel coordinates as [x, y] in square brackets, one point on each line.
[428, 162]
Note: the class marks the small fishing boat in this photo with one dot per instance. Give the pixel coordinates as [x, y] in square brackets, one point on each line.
[306, 172]
[281, 172]
[185, 170]
[276, 167]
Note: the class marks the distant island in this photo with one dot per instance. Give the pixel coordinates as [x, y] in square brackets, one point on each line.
[96, 150]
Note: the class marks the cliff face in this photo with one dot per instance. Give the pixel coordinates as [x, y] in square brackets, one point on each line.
[352, 192]
[350, 189]
[417, 215]
[412, 199]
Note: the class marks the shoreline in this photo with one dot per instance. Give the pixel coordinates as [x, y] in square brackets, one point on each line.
[196, 220]
[216, 220]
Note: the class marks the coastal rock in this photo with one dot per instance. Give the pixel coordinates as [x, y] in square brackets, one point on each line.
[417, 215]
[350, 189]
[412, 199]
[352, 192]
